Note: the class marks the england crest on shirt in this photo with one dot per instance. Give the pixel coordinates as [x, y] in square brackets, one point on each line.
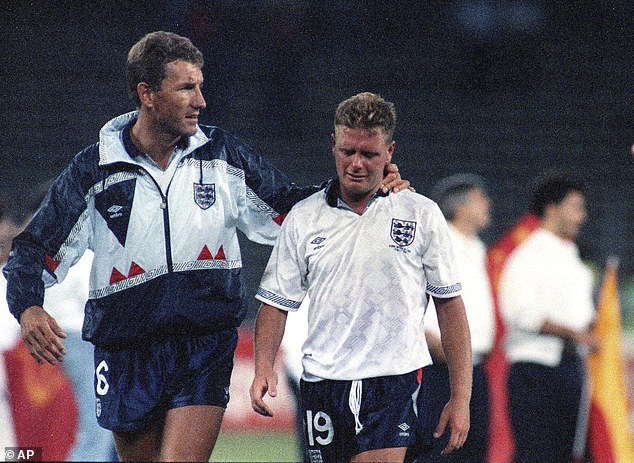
[403, 232]
[204, 194]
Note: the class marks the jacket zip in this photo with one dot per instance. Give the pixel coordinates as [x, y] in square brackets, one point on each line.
[166, 227]
[166, 218]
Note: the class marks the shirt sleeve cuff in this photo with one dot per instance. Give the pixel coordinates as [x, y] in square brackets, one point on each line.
[270, 298]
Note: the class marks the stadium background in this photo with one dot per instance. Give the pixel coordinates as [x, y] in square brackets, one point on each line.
[506, 90]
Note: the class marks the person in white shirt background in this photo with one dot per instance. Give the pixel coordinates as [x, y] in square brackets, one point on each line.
[463, 200]
[546, 299]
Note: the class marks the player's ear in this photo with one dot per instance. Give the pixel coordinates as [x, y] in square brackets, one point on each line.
[390, 151]
[144, 91]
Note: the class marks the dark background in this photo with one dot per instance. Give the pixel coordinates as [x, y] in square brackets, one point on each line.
[505, 89]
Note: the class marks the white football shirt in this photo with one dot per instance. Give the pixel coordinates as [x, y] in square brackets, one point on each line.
[470, 255]
[544, 279]
[368, 278]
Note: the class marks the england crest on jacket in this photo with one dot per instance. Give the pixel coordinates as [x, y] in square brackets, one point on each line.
[204, 194]
[403, 232]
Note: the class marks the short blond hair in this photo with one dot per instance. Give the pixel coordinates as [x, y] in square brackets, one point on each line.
[367, 111]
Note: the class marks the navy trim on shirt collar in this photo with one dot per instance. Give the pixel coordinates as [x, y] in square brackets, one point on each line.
[333, 193]
[130, 147]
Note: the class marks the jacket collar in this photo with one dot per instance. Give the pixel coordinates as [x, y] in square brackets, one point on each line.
[333, 194]
[115, 145]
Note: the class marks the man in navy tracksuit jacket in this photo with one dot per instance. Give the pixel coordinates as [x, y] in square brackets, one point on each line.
[159, 200]
[167, 267]
[167, 259]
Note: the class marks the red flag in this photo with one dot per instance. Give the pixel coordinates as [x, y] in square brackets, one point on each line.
[501, 443]
[609, 433]
[42, 403]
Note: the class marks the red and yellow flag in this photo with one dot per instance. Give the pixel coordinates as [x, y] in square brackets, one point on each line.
[609, 434]
[501, 443]
[42, 403]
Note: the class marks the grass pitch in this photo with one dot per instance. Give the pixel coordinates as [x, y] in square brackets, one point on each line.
[256, 447]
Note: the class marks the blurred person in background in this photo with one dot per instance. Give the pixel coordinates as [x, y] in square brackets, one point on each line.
[159, 201]
[546, 299]
[368, 261]
[463, 200]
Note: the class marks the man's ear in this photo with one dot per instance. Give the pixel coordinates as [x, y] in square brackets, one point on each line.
[390, 151]
[144, 91]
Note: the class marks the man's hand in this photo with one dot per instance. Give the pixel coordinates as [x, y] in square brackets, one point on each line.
[263, 383]
[269, 330]
[589, 340]
[392, 180]
[585, 339]
[456, 343]
[42, 335]
[456, 416]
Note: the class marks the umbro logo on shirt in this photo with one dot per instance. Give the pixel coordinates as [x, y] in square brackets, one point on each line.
[317, 242]
[115, 211]
[114, 204]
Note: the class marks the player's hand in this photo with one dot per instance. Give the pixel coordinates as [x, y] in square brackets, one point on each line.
[392, 180]
[456, 416]
[42, 335]
[263, 383]
[589, 340]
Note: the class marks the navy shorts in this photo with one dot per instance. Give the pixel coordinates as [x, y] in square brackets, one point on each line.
[433, 396]
[345, 418]
[136, 386]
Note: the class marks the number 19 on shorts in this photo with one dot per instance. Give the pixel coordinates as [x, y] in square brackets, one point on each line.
[319, 428]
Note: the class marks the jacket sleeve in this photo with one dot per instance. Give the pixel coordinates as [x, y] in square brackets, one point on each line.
[267, 195]
[53, 241]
